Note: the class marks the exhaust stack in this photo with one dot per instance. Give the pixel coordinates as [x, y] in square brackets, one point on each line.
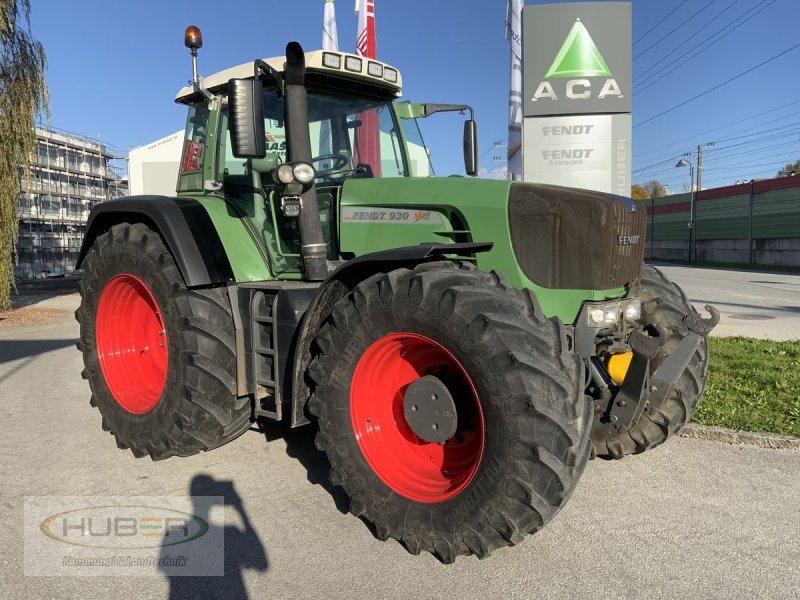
[312, 244]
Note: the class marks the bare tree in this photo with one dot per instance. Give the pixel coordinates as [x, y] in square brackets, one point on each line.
[23, 96]
[655, 189]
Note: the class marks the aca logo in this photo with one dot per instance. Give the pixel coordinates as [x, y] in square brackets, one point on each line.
[577, 59]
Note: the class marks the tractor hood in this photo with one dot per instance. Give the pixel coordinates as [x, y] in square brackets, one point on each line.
[568, 245]
[569, 238]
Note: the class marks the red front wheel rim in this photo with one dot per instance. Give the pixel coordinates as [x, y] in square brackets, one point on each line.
[131, 343]
[412, 467]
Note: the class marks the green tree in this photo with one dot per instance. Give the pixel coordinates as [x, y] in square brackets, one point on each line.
[23, 97]
[789, 169]
[638, 192]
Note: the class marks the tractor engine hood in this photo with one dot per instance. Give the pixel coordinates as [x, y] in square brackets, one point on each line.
[570, 238]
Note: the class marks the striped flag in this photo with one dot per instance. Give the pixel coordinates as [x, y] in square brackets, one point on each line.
[514, 37]
[330, 39]
[368, 135]
[365, 35]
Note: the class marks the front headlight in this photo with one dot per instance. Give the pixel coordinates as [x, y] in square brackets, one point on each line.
[596, 316]
[609, 313]
[304, 173]
[633, 310]
[285, 174]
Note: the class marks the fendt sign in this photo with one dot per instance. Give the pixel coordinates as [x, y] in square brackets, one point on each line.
[577, 95]
[576, 58]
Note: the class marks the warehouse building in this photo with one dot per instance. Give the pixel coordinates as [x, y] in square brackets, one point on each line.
[71, 174]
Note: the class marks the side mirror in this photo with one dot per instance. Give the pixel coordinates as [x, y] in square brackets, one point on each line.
[471, 147]
[246, 118]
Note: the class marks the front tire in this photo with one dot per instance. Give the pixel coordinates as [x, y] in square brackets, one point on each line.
[663, 307]
[159, 357]
[522, 438]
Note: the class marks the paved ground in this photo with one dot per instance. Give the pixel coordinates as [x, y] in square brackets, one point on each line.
[751, 303]
[693, 519]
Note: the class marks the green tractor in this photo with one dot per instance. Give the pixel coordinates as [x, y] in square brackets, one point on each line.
[463, 346]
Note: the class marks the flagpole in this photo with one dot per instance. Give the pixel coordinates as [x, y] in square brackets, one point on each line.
[514, 37]
[330, 38]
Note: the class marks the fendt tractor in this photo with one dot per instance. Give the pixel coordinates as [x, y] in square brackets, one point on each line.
[463, 346]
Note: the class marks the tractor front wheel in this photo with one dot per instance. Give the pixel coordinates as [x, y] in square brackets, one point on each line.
[450, 409]
[663, 307]
[159, 357]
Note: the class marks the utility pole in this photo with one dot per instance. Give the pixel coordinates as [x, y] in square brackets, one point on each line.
[700, 164]
[699, 167]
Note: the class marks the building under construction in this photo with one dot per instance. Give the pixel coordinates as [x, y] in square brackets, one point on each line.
[72, 173]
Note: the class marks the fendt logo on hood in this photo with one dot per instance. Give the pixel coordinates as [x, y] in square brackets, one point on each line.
[578, 59]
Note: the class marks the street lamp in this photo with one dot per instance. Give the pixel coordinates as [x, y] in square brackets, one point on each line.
[687, 163]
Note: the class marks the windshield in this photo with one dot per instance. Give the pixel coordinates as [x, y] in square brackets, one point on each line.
[419, 159]
[350, 138]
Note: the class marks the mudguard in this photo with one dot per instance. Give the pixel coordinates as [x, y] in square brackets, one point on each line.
[182, 223]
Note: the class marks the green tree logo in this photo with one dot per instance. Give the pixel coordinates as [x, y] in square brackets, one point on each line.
[578, 56]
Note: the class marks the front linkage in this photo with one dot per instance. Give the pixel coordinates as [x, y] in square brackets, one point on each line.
[644, 390]
[654, 396]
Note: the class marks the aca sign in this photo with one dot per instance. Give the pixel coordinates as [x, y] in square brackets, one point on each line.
[577, 58]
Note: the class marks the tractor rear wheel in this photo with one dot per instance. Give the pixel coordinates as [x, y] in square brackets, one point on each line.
[663, 307]
[159, 357]
[450, 409]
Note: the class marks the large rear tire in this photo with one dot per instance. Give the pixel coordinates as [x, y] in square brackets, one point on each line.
[522, 436]
[159, 358]
[663, 307]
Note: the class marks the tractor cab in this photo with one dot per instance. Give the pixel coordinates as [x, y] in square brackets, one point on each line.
[356, 127]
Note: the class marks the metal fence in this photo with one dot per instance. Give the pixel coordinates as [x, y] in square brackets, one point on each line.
[756, 222]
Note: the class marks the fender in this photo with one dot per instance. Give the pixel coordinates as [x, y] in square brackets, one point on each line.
[346, 277]
[182, 223]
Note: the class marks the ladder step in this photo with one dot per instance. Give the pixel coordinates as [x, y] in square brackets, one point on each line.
[267, 351]
[258, 319]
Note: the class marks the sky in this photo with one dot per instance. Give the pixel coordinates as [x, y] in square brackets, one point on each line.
[114, 69]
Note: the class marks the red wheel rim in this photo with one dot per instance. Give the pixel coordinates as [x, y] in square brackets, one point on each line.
[417, 469]
[131, 343]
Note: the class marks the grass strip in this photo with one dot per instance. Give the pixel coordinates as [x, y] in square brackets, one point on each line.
[753, 385]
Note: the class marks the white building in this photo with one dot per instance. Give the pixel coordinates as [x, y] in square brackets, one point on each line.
[153, 168]
[71, 174]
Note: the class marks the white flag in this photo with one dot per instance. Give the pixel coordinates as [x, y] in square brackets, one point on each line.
[514, 37]
[330, 39]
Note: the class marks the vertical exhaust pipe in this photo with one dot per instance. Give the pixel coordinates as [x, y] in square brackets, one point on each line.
[312, 244]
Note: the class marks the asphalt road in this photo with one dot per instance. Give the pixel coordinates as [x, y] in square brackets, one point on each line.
[692, 519]
[751, 303]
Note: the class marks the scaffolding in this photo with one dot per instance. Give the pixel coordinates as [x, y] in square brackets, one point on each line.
[71, 174]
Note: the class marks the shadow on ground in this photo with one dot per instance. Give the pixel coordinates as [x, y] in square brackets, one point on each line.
[243, 548]
[16, 349]
[36, 290]
[300, 446]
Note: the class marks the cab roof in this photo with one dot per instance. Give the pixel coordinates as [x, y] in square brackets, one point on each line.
[351, 66]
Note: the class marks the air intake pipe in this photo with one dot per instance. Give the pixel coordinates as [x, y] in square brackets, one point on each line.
[312, 244]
